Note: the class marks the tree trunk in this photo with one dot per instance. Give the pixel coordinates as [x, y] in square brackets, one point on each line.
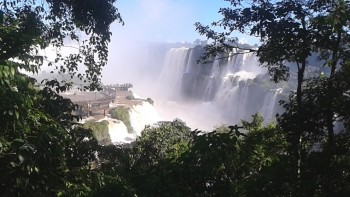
[298, 140]
[330, 114]
[330, 96]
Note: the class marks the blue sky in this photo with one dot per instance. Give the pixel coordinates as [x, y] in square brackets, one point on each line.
[164, 20]
[155, 21]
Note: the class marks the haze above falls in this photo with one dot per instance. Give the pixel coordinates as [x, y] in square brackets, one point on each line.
[141, 53]
[203, 95]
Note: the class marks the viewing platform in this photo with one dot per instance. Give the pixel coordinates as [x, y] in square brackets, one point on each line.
[98, 104]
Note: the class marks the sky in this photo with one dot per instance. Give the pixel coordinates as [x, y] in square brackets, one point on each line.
[160, 21]
[165, 20]
[130, 61]
[156, 21]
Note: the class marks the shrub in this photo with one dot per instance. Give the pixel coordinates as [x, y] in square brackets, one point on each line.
[150, 101]
[99, 130]
[122, 113]
[130, 97]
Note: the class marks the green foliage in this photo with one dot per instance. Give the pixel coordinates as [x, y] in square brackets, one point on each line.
[114, 186]
[290, 32]
[256, 124]
[154, 152]
[38, 154]
[171, 160]
[42, 153]
[165, 141]
[130, 97]
[122, 113]
[319, 167]
[224, 163]
[222, 129]
[28, 27]
[99, 130]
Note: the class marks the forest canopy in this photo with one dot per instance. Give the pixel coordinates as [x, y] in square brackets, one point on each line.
[306, 152]
[42, 152]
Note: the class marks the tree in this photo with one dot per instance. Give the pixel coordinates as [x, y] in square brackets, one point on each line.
[42, 152]
[99, 130]
[170, 160]
[332, 41]
[29, 26]
[153, 153]
[324, 172]
[286, 36]
[289, 31]
[227, 163]
[39, 155]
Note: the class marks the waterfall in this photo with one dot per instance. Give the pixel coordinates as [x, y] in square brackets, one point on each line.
[118, 132]
[225, 90]
[243, 100]
[142, 115]
[173, 69]
[190, 67]
[269, 105]
[210, 86]
[233, 88]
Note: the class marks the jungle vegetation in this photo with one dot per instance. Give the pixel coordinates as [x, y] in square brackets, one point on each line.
[306, 152]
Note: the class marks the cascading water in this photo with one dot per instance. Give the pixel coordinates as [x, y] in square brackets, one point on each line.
[204, 95]
[269, 105]
[142, 115]
[228, 85]
[210, 86]
[238, 96]
[189, 67]
[118, 132]
[174, 67]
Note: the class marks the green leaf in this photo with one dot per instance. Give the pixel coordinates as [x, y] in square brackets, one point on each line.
[6, 71]
[21, 158]
[12, 70]
[18, 140]
[17, 114]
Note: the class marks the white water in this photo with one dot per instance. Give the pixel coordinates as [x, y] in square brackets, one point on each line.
[118, 132]
[269, 104]
[195, 114]
[211, 80]
[243, 75]
[142, 115]
[232, 93]
[221, 93]
[175, 66]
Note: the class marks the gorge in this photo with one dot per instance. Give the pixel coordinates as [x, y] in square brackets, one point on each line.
[223, 91]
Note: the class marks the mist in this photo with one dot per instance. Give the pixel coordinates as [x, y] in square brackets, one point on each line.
[138, 52]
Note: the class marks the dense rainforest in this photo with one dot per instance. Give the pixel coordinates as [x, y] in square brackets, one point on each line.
[45, 152]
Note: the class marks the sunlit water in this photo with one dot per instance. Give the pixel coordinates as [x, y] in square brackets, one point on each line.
[204, 96]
